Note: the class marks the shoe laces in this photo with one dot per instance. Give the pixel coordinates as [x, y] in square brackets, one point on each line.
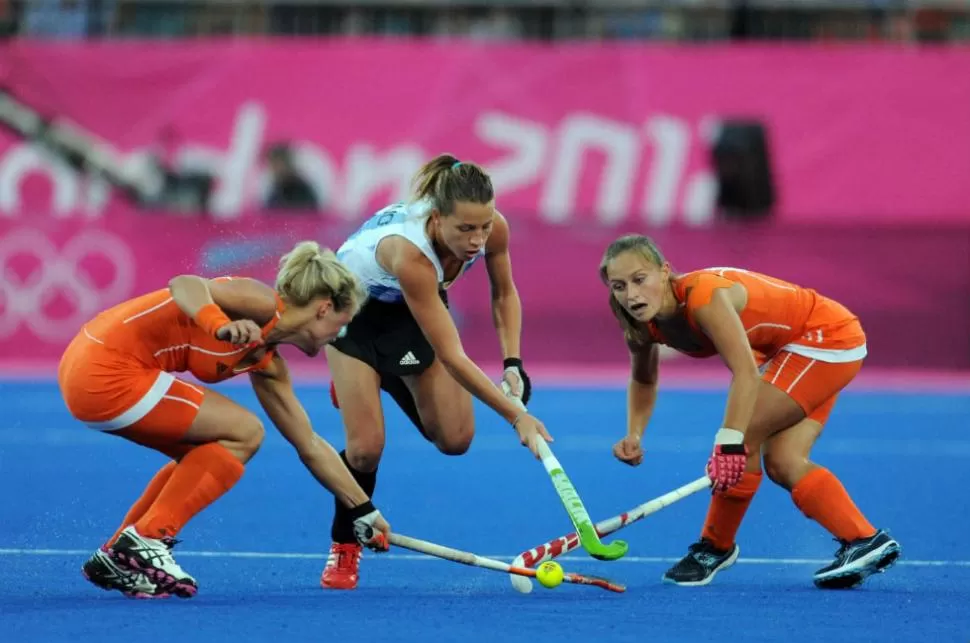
[165, 555]
[347, 555]
[170, 542]
[843, 547]
[704, 553]
[704, 546]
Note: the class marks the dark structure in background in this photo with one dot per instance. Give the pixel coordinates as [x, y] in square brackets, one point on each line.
[682, 20]
[742, 164]
[150, 185]
[289, 191]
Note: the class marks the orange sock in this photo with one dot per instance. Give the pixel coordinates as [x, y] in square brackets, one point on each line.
[148, 496]
[821, 497]
[727, 509]
[201, 478]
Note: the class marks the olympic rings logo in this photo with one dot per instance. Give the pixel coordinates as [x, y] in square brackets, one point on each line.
[60, 273]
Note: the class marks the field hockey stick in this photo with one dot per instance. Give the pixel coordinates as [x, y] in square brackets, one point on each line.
[585, 529]
[588, 537]
[473, 560]
[565, 544]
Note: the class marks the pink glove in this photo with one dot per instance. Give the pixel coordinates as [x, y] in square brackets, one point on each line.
[726, 464]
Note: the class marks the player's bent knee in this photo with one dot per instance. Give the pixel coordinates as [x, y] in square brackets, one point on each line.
[255, 436]
[784, 469]
[364, 455]
[249, 438]
[455, 442]
[454, 448]
[245, 438]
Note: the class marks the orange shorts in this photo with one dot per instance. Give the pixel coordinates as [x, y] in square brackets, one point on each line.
[813, 384]
[114, 392]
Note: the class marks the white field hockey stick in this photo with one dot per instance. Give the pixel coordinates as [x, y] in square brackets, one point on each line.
[565, 544]
[473, 560]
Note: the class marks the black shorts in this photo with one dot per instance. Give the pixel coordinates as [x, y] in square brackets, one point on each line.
[386, 337]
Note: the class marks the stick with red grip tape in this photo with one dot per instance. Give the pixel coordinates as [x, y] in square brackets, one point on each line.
[474, 560]
[564, 544]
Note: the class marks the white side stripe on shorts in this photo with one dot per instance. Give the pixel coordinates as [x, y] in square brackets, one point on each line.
[781, 366]
[194, 388]
[141, 408]
[800, 376]
[180, 399]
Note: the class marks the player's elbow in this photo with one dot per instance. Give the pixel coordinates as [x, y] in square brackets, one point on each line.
[503, 293]
[179, 283]
[747, 371]
[747, 378]
[743, 367]
[309, 448]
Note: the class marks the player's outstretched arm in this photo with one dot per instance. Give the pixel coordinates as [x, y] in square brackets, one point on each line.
[641, 398]
[419, 283]
[229, 309]
[506, 311]
[274, 390]
[720, 321]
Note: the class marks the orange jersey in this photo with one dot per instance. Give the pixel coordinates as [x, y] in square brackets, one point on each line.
[154, 330]
[778, 316]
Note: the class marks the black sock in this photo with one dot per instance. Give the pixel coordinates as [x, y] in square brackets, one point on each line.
[342, 530]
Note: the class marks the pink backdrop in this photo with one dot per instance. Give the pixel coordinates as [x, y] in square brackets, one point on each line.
[871, 148]
[611, 133]
[909, 285]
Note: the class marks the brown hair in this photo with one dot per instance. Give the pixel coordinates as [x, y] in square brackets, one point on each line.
[309, 271]
[444, 181]
[644, 247]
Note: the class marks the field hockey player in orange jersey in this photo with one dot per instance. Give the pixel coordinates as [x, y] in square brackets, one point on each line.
[116, 377]
[809, 348]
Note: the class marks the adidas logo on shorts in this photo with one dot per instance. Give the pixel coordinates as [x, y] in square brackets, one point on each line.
[409, 360]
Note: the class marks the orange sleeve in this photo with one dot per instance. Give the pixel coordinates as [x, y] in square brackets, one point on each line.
[699, 292]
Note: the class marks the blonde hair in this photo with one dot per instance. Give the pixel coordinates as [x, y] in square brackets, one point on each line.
[309, 271]
[444, 181]
[647, 250]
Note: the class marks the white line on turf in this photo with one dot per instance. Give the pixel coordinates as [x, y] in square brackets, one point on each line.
[322, 556]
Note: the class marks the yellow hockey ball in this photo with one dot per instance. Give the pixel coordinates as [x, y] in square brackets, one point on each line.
[549, 574]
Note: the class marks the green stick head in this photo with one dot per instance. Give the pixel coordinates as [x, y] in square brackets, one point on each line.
[598, 549]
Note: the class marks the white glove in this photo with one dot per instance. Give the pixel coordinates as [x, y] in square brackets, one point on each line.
[515, 381]
[370, 528]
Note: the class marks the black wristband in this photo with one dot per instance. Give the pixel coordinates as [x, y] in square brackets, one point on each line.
[732, 449]
[516, 362]
[362, 510]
